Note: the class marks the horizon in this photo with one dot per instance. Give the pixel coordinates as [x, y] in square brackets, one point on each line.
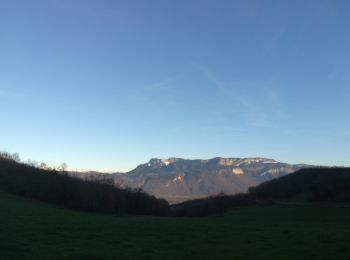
[109, 85]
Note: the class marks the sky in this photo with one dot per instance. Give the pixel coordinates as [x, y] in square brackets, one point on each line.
[107, 85]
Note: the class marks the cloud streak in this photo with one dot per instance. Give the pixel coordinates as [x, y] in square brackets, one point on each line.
[262, 108]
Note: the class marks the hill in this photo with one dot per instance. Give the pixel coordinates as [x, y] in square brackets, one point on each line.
[60, 189]
[311, 184]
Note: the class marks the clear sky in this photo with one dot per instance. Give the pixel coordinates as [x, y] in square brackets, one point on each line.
[110, 84]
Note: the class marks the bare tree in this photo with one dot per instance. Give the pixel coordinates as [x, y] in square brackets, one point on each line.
[43, 166]
[62, 168]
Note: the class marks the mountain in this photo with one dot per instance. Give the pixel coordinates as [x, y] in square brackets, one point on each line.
[178, 180]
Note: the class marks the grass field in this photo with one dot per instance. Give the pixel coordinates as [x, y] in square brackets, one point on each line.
[32, 230]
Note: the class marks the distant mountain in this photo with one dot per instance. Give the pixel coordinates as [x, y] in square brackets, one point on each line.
[178, 180]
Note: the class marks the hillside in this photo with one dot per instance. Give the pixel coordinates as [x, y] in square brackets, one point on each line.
[311, 184]
[60, 189]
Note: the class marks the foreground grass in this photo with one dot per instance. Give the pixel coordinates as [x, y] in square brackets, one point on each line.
[32, 230]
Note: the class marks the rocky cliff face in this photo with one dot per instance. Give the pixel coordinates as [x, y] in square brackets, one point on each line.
[177, 179]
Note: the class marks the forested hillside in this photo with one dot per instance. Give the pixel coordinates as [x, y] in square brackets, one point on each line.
[311, 184]
[56, 187]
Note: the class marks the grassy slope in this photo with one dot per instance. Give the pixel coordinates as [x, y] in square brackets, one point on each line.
[32, 230]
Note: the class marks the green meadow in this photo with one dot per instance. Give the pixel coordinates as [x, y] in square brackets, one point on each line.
[34, 230]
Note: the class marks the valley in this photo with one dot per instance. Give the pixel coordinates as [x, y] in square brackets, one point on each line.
[178, 180]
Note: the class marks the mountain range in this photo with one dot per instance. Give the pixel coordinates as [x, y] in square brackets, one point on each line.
[178, 180]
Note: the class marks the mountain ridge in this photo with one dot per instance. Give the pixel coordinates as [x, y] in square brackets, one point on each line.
[178, 179]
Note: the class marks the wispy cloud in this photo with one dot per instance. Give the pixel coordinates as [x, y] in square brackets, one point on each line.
[162, 93]
[262, 107]
[223, 129]
[167, 85]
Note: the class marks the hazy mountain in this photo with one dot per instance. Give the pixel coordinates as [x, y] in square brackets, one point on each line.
[177, 179]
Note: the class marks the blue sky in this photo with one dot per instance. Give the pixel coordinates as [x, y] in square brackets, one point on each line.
[109, 84]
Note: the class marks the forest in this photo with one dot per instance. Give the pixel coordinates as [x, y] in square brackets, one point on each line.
[56, 187]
